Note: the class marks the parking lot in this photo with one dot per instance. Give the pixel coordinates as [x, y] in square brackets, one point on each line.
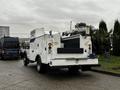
[15, 76]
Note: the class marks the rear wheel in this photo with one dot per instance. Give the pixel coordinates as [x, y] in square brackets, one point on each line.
[40, 67]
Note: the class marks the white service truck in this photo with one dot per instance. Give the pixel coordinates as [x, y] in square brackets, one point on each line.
[51, 49]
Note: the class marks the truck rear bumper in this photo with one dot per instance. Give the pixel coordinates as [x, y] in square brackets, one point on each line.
[80, 66]
[74, 62]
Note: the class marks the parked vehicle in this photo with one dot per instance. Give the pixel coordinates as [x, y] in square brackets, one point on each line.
[53, 50]
[9, 47]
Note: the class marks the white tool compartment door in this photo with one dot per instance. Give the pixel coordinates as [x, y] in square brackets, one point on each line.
[70, 47]
[32, 49]
[54, 41]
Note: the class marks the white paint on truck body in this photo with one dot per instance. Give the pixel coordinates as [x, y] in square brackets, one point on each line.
[40, 46]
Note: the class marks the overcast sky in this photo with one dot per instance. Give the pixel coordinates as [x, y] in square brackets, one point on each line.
[24, 15]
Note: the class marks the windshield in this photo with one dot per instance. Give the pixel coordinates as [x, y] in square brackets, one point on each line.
[71, 43]
[11, 44]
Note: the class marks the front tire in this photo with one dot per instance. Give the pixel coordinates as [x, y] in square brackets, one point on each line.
[25, 61]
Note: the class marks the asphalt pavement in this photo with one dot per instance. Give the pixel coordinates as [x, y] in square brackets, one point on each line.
[15, 76]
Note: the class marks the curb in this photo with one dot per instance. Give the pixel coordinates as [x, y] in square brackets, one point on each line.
[106, 72]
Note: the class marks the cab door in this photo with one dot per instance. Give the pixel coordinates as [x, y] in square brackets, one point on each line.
[32, 53]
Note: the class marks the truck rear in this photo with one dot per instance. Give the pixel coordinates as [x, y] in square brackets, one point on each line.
[72, 52]
[58, 51]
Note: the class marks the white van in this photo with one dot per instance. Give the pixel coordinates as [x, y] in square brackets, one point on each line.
[50, 49]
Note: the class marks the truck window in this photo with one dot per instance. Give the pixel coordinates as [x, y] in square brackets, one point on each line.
[71, 43]
[11, 44]
[32, 40]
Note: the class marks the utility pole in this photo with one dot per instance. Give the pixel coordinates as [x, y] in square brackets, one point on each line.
[70, 25]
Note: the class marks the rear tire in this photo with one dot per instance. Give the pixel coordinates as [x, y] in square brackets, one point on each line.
[41, 68]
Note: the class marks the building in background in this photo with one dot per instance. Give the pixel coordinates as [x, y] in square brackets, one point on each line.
[4, 31]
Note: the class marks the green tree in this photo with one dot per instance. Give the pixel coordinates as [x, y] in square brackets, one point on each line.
[103, 27]
[116, 38]
[101, 39]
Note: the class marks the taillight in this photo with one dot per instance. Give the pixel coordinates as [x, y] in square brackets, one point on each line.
[90, 49]
[50, 47]
[90, 46]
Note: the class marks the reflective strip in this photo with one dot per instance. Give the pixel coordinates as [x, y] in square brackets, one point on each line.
[70, 59]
